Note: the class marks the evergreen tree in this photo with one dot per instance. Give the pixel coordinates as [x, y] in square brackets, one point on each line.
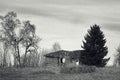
[94, 48]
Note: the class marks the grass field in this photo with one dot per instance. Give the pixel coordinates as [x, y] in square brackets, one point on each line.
[109, 73]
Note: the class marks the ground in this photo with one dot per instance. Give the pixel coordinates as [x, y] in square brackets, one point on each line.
[109, 73]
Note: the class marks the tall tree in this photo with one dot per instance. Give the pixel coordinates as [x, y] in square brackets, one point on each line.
[9, 24]
[5, 47]
[30, 40]
[117, 57]
[94, 48]
[16, 34]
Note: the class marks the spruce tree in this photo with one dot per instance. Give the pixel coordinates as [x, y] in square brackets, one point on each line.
[94, 48]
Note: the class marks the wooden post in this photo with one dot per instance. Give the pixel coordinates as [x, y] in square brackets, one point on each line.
[58, 61]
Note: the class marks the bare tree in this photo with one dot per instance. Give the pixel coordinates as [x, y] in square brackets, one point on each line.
[33, 59]
[30, 40]
[56, 46]
[12, 38]
[117, 57]
[5, 47]
[8, 24]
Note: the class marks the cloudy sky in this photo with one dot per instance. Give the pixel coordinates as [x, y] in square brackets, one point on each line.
[67, 21]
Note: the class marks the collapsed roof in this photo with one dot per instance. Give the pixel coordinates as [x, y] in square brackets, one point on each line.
[63, 53]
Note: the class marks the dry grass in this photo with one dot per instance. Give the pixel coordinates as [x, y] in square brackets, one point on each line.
[109, 73]
[78, 69]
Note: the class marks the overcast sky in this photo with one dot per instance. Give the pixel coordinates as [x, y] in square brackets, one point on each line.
[67, 21]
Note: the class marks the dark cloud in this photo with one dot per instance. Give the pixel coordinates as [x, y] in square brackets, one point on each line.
[82, 2]
[104, 12]
[112, 26]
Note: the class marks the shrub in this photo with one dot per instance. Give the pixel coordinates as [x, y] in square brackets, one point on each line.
[78, 69]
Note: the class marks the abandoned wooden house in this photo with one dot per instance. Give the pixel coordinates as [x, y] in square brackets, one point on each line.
[62, 57]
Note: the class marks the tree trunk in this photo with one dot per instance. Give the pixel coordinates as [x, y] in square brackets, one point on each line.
[24, 61]
[4, 58]
[5, 55]
[18, 52]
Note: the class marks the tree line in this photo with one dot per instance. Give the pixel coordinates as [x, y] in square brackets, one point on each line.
[14, 34]
[19, 39]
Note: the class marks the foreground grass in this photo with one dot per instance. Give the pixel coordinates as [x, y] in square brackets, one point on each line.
[109, 73]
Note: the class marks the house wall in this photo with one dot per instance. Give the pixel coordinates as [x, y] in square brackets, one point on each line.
[58, 62]
[51, 62]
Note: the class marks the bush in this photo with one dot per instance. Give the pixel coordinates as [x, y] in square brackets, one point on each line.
[78, 69]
